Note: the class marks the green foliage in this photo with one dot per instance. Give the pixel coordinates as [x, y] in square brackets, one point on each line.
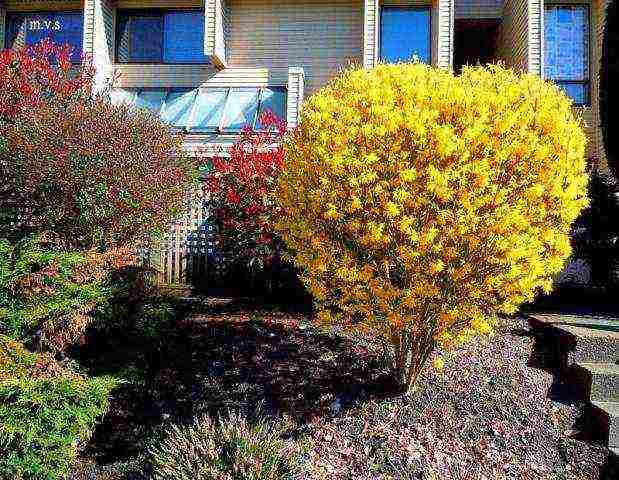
[231, 448]
[45, 413]
[596, 237]
[42, 287]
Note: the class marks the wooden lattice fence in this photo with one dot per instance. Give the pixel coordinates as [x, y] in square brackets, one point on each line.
[188, 255]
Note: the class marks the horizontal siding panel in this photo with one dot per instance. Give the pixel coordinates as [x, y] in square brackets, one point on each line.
[320, 35]
[26, 5]
[159, 3]
[513, 42]
[479, 8]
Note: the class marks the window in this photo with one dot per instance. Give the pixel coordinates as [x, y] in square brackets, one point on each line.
[566, 38]
[25, 29]
[208, 110]
[155, 36]
[405, 34]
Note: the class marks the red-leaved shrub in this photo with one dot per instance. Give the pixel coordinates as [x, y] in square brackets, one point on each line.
[240, 187]
[73, 164]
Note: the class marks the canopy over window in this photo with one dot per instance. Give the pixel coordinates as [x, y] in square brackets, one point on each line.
[25, 29]
[208, 110]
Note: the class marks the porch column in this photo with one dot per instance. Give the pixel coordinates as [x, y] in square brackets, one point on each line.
[2, 25]
[535, 59]
[99, 38]
[215, 31]
[371, 20]
[521, 38]
[294, 98]
[445, 33]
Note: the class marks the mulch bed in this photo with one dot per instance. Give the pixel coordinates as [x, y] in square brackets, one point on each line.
[486, 415]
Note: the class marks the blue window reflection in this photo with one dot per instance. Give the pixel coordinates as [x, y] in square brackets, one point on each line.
[241, 108]
[160, 37]
[405, 34]
[183, 39]
[65, 28]
[566, 44]
[209, 109]
[178, 106]
[274, 100]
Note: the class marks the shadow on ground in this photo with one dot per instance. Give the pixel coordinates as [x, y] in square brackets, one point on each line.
[219, 357]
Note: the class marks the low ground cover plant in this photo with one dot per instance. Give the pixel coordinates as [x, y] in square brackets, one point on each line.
[231, 448]
[46, 413]
[420, 204]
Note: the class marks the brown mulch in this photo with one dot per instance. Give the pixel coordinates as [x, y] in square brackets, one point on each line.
[486, 415]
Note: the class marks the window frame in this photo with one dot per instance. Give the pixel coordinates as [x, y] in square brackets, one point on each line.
[25, 13]
[586, 83]
[153, 12]
[408, 6]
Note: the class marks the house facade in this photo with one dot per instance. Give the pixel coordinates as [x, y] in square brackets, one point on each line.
[208, 67]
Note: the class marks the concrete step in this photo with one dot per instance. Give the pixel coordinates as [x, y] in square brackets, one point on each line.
[598, 381]
[607, 415]
[578, 339]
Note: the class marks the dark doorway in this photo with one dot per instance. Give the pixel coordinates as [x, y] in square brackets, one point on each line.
[475, 42]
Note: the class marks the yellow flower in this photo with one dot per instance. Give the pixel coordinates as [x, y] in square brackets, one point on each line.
[392, 209]
[438, 363]
[408, 175]
[437, 266]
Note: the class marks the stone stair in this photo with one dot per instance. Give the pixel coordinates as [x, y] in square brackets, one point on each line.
[583, 353]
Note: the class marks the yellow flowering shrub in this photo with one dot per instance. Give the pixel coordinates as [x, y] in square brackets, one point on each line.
[419, 204]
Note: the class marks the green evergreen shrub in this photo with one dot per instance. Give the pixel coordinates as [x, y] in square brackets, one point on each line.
[46, 413]
[48, 294]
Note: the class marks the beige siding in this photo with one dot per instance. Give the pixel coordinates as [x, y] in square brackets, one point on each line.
[513, 42]
[31, 5]
[196, 75]
[159, 3]
[371, 24]
[478, 8]
[322, 36]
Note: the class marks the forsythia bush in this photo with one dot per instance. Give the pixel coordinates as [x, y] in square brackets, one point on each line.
[420, 204]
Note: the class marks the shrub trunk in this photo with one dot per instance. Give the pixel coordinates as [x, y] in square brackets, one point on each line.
[412, 350]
